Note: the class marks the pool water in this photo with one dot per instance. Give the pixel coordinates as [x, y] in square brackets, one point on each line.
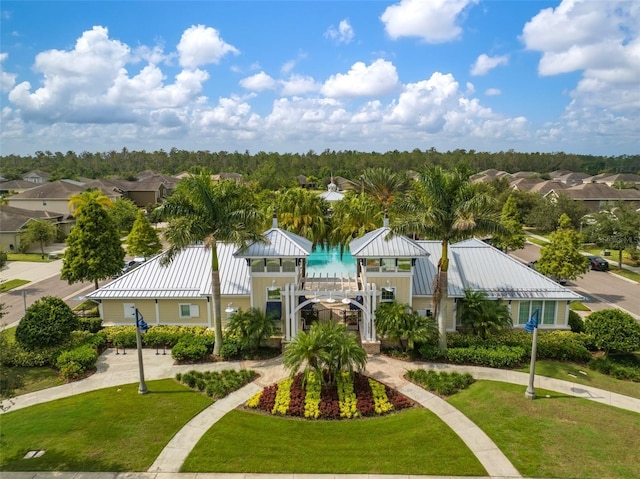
[328, 262]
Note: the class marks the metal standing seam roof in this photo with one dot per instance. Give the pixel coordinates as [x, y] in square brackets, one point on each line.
[187, 276]
[379, 244]
[476, 265]
[279, 244]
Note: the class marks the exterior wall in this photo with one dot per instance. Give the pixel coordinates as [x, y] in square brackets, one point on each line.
[143, 198]
[55, 205]
[168, 312]
[8, 239]
[561, 309]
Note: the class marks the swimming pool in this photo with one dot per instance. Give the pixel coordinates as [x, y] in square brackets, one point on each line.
[328, 262]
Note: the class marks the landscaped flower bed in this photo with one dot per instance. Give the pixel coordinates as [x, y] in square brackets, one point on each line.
[350, 397]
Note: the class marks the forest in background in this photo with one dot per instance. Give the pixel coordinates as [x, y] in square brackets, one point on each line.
[275, 170]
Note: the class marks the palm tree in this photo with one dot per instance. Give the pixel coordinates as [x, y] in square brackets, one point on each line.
[327, 346]
[354, 216]
[251, 328]
[483, 315]
[384, 185]
[200, 211]
[397, 321]
[304, 213]
[80, 200]
[445, 205]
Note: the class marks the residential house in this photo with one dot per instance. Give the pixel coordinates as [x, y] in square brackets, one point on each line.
[13, 187]
[13, 221]
[598, 196]
[36, 176]
[272, 276]
[306, 182]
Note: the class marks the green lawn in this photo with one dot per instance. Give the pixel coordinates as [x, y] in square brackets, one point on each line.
[11, 284]
[409, 442]
[559, 436]
[567, 371]
[578, 306]
[113, 429]
[32, 257]
[627, 274]
[32, 379]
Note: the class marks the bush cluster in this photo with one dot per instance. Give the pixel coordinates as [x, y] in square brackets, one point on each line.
[497, 357]
[217, 384]
[625, 368]
[443, 384]
[75, 363]
[89, 323]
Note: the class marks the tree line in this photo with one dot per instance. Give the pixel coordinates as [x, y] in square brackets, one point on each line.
[275, 170]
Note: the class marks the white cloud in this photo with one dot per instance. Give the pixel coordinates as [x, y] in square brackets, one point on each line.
[343, 34]
[493, 92]
[434, 21]
[202, 45]
[484, 64]
[7, 80]
[379, 78]
[258, 82]
[299, 85]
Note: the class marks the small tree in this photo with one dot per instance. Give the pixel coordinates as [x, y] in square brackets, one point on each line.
[397, 321]
[143, 239]
[47, 322]
[561, 258]
[93, 249]
[618, 229]
[123, 213]
[483, 316]
[251, 328]
[613, 331]
[512, 236]
[38, 231]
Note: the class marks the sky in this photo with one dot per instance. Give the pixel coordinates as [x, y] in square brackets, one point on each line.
[295, 76]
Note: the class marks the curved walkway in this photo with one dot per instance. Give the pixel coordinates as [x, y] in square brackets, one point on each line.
[116, 369]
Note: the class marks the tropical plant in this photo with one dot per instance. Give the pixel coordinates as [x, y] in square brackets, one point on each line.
[143, 239]
[200, 210]
[483, 316]
[79, 201]
[94, 251]
[302, 212]
[383, 185]
[445, 205]
[38, 231]
[250, 327]
[561, 257]
[354, 216]
[613, 331]
[47, 322]
[397, 322]
[326, 347]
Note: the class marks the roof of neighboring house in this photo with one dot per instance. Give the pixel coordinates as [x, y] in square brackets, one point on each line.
[525, 184]
[577, 176]
[37, 174]
[600, 191]
[61, 190]
[278, 244]
[17, 185]
[627, 177]
[14, 219]
[546, 186]
[187, 276]
[380, 244]
[526, 174]
[556, 173]
[475, 265]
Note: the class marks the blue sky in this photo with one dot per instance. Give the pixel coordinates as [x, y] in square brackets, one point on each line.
[294, 76]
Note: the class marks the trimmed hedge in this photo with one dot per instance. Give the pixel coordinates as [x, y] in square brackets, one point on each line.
[444, 384]
[498, 357]
[75, 363]
[192, 349]
[156, 336]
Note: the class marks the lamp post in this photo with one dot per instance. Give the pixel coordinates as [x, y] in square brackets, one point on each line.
[532, 327]
[141, 326]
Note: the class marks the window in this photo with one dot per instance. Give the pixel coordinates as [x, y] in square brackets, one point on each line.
[273, 293]
[273, 265]
[404, 264]
[189, 310]
[373, 265]
[547, 311]
[388, 295]
[288, 265]
[257, 265]
[388, 264]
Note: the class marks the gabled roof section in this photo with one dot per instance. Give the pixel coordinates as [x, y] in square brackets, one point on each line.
[380, 244]
[60, 190]
[187, 276]
[14, 219]
[279, 244]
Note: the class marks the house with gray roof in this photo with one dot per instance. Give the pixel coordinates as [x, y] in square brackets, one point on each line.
[13, 221]
[598, 196]
[36, 176]
[272, 275]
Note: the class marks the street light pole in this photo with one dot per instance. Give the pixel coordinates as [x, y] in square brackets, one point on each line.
[532, 327]
[142, 388]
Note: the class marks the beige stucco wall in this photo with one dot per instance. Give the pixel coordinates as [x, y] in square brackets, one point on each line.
[168, 312]
[54, 205]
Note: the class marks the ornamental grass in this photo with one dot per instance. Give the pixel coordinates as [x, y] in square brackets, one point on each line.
[351, 396]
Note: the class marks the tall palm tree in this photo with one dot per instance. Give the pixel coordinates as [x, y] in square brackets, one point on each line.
[383, 185]
[445, 205]
[354, 216]
[304, 213]
[200, 211]
[80, 200]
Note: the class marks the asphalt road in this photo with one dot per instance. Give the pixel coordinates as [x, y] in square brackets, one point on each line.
[17, 300]
[604, 290]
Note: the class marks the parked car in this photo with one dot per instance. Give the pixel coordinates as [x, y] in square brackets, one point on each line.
[598, 263]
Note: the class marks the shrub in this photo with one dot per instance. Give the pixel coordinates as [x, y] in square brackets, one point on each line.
[192, 349]
[217, 384]
[500, 357]
[575, 322]
[430, 352]
[47, 322]
[75, 363]
[613, 331]
[619, 368]
[231, 348]
[444, 384]
[91, 324]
